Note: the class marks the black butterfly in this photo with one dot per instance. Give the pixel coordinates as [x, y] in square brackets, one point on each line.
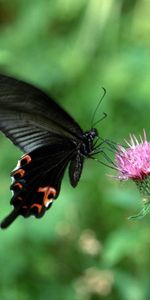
[52, 141]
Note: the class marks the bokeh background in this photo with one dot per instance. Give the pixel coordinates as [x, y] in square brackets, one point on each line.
[84, 248]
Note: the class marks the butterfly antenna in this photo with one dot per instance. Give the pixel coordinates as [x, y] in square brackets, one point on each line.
[96, 109]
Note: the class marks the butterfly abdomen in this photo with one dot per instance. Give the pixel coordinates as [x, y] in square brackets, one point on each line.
[75, 169]
[84, 148]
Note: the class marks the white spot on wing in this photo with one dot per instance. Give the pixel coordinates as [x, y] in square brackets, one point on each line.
[12, 179]
[48, 202]
[17, 167]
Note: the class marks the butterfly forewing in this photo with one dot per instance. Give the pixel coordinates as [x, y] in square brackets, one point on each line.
[21, 102]
[25, 135]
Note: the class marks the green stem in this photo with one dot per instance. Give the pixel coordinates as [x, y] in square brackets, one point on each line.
[145, 210]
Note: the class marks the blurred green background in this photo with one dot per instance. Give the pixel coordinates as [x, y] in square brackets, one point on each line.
[84, 248]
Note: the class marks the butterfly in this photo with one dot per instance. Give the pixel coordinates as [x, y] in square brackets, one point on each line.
[51, 141]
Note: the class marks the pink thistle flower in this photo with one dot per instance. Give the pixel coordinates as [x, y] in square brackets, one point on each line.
[133, 163]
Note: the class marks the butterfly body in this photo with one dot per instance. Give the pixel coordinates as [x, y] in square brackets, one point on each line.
[51, 141]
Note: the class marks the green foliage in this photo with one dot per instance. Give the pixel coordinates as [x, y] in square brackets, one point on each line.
[85, 248]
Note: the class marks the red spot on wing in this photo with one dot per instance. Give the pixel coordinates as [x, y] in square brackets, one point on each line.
[19, 185]
[19, 172]
[38, 206]
[26, 159]
[48, 191]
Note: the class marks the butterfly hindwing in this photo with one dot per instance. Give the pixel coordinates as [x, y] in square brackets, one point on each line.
[36, 180]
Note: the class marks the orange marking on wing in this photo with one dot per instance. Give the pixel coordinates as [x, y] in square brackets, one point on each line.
[19, 185]
[21, 172]
[27, 158]
[47, 191]
[39, 207]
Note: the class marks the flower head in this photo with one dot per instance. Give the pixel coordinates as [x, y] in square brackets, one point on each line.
[133, 163]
